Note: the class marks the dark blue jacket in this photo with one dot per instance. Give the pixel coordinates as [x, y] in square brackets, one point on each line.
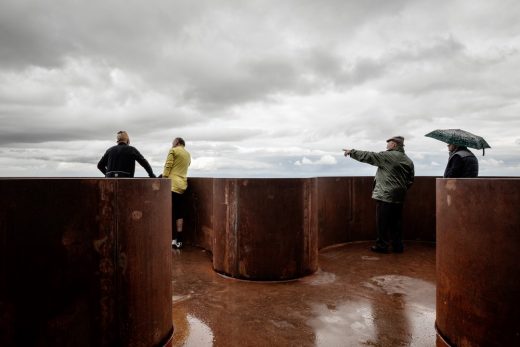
[462, 164]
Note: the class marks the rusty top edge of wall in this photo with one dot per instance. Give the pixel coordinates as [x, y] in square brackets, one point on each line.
[76, 178]
[253, 178]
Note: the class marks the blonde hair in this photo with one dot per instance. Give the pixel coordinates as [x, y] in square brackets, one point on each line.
[122, 136]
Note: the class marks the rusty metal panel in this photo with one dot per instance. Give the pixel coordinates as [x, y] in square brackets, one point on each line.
[309, 261]
[61, 251]
[198, 224]
[419, 211]
[224, 226]
[478, 277]
[260, 229]
[346, 211]
[270, 228]
[144, 261]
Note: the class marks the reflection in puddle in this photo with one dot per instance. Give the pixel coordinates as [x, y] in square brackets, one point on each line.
[349, 324]
[319, 278]
[200, 334]
[422, 321]
[417, 299]
[179, 298]
[416, 290]
[403, 311]
[192, 332]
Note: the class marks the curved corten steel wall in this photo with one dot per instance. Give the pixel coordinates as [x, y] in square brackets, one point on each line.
[263, 228]
[273, 228]
[85, 262]
[346, 210]
[478, 276]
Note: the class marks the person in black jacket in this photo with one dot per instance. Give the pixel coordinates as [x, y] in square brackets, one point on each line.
[461, 164]
[119, 160]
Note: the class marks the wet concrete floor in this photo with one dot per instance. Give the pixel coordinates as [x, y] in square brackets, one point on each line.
[356, 298]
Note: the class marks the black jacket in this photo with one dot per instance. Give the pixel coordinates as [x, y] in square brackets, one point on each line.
[119, 161]
[462, 163]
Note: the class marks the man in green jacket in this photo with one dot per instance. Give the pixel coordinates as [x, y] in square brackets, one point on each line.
[395, 174]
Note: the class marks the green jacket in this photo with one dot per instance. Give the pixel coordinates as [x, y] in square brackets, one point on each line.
[395, 173]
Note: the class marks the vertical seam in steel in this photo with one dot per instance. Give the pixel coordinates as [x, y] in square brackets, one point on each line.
[116, 264]
[350, 208]
[235, 226]
[307, 215]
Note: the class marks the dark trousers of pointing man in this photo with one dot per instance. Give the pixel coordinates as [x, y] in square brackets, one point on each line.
[389, 225]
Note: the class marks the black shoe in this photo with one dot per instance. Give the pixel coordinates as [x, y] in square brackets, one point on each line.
[397, 250]
[378, 249]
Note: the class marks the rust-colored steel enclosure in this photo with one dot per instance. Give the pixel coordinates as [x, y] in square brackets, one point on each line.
[478, 274]
[85, 262]
[273, 228]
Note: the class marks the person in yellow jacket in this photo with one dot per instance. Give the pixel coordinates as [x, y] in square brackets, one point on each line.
[176, 169]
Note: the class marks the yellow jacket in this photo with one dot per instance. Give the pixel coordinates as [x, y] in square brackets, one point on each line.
[176, 168]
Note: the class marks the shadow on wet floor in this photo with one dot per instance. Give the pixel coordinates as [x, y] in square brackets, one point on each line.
[356, 298]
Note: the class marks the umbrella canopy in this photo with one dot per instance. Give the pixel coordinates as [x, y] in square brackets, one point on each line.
[459, 137]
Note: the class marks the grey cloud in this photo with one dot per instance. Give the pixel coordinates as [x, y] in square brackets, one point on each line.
[135, 36]
[363, 70]
[34, 130]
[333, 16]
[118, 29]
[221, 134]
[439, 48]
[251, 80]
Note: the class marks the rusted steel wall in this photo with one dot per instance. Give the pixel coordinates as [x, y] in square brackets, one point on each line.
[263, 228]
[346, 211]
[198, 226]
[478, 277]
[85, 262]
[234, 217]
[419, 211]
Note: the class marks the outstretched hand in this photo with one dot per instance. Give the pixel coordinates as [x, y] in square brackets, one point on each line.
[347, 152]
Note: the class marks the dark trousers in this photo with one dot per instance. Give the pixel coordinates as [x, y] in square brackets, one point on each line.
[388, 221]
[178, 207]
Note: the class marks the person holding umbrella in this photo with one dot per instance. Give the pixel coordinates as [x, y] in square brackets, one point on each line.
[394, 176]
[462, 163]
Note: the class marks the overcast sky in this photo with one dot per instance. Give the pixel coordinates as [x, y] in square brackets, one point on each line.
[256, 88]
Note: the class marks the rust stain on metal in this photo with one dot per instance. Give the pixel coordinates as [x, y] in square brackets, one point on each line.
[136, 215]
[156, 185]
[98, 244]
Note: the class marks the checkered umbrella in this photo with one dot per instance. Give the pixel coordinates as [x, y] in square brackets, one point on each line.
[459, 137]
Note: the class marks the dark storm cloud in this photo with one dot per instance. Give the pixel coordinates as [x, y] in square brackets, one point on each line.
[151, 40]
